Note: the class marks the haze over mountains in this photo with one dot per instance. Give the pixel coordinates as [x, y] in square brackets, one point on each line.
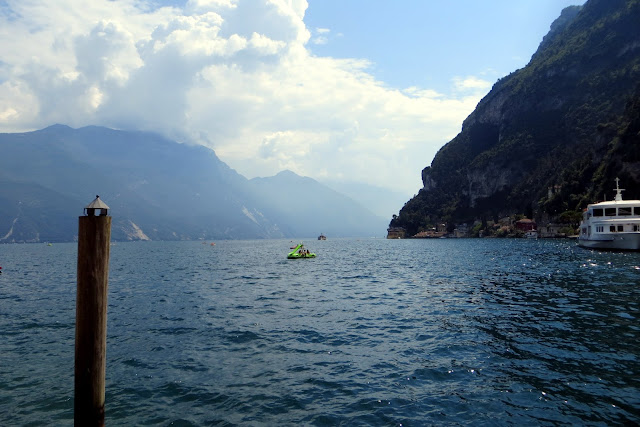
[158, 189]
[567, 121]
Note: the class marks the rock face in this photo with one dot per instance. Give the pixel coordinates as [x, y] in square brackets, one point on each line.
[566, 17]
[491, 179]
[548, 124]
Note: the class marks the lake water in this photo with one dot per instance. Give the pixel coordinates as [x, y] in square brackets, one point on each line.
[371, 332]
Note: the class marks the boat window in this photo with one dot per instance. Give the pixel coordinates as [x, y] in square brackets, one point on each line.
[635, 228]
[597, 212]
[600, 229]
[612, 228]
[621, 228]
[626, 211]
[636, 210]
[609, 211]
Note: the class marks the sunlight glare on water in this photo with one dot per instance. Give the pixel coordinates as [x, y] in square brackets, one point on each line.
[371, 332]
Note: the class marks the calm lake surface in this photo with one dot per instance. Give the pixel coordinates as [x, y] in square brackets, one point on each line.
[371, 332]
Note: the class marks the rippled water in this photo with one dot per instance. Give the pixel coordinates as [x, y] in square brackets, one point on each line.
[371, 332]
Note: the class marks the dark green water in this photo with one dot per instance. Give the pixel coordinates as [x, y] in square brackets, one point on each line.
[371, 332]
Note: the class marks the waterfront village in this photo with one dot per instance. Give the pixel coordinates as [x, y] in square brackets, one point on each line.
[517, 226]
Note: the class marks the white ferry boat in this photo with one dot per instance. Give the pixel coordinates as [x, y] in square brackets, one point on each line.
[611, 225]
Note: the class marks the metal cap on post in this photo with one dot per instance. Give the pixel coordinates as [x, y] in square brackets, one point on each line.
[94, 235]
[90, 209]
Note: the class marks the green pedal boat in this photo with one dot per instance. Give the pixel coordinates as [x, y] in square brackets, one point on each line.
[300, 252]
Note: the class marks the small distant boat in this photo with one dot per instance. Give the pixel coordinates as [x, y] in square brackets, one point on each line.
[611, 225]
[300, 252]
[322, 237]
[531, 234]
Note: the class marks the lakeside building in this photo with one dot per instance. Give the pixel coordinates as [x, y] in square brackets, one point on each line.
[552, 230]
[526, 224]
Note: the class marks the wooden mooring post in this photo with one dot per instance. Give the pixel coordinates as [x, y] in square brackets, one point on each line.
[94, 235]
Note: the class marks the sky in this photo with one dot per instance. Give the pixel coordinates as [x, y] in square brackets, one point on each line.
[362, 91]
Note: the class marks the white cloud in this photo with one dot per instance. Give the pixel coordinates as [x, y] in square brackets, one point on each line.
[229, 74]
[321, 36]
[470, 83]
[320, 40]
[199, 6]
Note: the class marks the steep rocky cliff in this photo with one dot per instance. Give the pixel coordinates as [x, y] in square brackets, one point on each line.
[548, 125]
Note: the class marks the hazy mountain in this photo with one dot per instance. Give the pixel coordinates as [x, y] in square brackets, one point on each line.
[157, 189]
[548, 138]
[300, 202]
[381, 201]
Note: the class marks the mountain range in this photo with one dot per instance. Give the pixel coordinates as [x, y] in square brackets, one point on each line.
[549, 138]
[158, 189]
[545, 141]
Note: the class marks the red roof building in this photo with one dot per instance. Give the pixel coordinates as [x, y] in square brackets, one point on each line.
[526, 224]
